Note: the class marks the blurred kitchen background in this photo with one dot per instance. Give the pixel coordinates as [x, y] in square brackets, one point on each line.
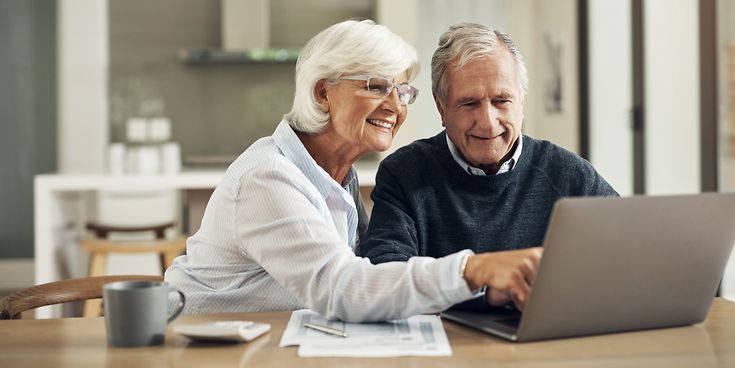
[127, 89]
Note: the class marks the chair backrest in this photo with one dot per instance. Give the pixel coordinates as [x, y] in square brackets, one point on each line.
[62, 291]
[135, 214]
[133, 208]
[103, 231]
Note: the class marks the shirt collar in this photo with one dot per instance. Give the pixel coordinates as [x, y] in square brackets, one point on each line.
[504, 167]
[293, 149]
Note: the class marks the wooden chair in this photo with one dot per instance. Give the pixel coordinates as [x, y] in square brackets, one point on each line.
[62, 291]
[99, 247]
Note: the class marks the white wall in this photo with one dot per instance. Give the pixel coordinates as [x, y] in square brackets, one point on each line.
[82, 85]
[557, 19]
[672, 96]
[671, 57]
[610, 92]
[522, 27]
[726, 32]
[725, 73]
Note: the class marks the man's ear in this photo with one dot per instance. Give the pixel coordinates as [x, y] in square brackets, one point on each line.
[440, 108]
[523, 109]
[320, 92]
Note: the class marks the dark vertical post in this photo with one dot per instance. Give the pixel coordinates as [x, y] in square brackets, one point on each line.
[584, 98]
[639, 157]
[708, 100]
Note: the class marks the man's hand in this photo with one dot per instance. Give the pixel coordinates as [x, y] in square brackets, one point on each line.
[508, 275]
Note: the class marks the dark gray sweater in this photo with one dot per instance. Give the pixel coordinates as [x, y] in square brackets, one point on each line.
[426, 205]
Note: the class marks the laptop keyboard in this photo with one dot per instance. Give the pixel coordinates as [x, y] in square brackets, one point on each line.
[510, 322]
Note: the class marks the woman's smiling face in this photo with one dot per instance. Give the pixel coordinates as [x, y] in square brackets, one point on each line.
[361, 118]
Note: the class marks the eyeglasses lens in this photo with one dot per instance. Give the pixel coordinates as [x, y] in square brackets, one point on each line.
[380, 85]
[406, 93]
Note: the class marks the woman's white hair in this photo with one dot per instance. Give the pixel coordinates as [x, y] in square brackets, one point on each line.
[348, 48]
[464, 42]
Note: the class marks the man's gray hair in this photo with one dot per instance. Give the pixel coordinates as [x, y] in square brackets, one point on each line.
[464, 42]
[350, 47]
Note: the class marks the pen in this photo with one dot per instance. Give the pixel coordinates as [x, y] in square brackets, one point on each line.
[326, 329]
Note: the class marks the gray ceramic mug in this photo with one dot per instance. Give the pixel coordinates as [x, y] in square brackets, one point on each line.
[137, 312]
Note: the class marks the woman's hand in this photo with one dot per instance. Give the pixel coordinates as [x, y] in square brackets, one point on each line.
[508, 275]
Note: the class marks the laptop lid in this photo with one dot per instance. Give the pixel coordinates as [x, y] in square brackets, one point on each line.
[622, 264]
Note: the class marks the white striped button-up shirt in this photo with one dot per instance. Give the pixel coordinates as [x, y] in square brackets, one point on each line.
[277, 234]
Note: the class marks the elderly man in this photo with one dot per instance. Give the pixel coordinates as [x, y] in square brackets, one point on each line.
[480, 184]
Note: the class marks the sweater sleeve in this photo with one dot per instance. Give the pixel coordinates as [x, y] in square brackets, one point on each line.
[591, 183]
[600, 186]
[391, 235]
[571, 175]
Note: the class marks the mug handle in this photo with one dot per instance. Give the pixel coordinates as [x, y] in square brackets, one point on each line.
[180, 307]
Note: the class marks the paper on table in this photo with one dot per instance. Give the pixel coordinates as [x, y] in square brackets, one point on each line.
[421, 335]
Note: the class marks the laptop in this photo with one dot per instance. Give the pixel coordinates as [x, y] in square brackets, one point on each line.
[621, 264]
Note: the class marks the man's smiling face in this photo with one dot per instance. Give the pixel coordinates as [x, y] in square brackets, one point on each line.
[483, 113]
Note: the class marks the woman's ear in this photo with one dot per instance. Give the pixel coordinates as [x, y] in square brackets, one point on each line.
[320, 92]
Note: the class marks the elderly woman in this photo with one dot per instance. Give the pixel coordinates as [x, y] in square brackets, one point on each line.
[279, 230]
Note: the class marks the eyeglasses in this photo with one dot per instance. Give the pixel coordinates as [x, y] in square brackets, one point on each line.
[382, 87]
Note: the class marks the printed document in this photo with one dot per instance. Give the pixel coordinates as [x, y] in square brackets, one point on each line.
[421, 335]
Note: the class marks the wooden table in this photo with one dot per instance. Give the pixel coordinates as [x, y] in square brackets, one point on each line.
[81, 342]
